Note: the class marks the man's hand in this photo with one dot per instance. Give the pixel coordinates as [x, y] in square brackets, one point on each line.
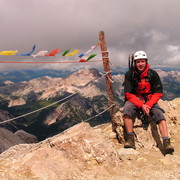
[146, 109]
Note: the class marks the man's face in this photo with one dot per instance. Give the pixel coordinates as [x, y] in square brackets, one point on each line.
[140, 64]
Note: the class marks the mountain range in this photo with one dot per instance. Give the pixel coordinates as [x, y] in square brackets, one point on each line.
[26, 75]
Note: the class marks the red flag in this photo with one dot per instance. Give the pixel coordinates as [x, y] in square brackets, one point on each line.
[53, 52]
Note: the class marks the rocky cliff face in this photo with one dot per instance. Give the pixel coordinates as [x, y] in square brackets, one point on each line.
[16, 102]
[10, 135]
[85, 153]
[9, 139]
[172, 76]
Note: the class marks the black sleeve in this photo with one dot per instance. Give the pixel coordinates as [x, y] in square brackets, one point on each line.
[128, 85]
[156, 83]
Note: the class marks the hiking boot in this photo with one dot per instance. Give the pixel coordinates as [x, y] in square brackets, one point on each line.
[168, 148]
[130, 142]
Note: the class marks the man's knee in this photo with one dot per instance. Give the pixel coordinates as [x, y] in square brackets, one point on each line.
[157, 115]
[129, 110]
[161, 121]
[126, 116]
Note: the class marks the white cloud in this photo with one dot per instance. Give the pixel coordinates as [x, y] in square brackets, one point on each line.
[174, 55]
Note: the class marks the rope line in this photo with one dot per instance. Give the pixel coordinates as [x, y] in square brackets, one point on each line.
[121, 88]
[36, 110]
[117, 68]
[109, 77]
[110, 100]
[88, 119]
[99, 113]
[45, 62]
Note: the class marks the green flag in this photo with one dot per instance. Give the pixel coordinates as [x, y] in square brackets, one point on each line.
[91, 56]
[65, 52]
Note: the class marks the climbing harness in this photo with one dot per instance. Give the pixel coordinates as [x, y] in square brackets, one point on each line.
[144, 119]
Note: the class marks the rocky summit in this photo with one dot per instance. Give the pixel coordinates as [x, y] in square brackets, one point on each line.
[83, 152]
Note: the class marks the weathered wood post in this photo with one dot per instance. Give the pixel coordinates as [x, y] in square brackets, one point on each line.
[109, 82]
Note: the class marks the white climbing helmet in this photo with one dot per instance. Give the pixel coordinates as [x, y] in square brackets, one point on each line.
[140, 55]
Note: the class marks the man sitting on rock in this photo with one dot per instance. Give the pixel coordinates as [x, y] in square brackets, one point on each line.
[143, 89]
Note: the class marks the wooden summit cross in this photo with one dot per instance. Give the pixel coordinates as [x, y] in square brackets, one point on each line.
[109, 84]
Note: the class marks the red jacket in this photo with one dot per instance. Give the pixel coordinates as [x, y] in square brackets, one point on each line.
[145, 88]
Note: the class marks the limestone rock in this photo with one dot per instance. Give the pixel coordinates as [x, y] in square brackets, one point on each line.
[26, 137]
[9, 139]
[16, 102]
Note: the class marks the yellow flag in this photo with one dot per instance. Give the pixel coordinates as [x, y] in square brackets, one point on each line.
[8, 53]
[72, 53]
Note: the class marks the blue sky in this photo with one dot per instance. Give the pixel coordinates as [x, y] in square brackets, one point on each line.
[129, 25]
